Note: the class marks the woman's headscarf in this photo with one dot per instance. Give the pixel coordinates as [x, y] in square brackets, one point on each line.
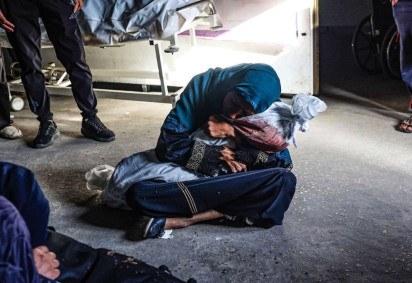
[258, 84]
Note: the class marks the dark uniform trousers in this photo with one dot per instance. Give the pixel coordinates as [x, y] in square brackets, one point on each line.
[64, 33]
[4, 106]
[4, 95]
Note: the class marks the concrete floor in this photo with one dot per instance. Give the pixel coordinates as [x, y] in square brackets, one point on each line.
[350, 220]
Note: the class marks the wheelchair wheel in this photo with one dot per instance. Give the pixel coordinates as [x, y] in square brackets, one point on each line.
[390, 54]
[365, 47]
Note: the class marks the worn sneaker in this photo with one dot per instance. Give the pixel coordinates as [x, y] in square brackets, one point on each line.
[155, 228]
[10, 132]
[94, 129]
[46, 135]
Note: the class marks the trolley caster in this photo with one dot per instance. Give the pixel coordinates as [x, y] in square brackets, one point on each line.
[17, 103]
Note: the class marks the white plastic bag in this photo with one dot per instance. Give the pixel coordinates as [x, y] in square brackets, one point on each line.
[98, 177]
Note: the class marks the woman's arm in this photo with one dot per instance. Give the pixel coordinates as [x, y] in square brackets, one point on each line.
[174, 143]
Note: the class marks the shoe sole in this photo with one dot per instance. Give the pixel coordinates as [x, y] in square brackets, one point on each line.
[55, 136]
[97, 138]
[146, 229]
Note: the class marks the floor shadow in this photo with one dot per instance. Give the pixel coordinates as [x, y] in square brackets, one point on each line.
[104, 216]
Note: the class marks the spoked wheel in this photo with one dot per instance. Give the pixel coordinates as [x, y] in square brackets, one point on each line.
[365, 47]
[390, 54]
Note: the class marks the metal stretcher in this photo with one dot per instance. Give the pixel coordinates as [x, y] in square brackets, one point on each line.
[115, 23]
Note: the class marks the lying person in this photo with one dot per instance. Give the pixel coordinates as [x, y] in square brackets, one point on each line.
[157, 184]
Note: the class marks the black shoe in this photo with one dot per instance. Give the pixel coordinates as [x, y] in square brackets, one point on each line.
[94, 129]
[154, 228]
[46, 135]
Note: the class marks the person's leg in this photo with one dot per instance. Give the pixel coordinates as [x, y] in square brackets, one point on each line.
[64, 33]
[402, 13]
[7, 131]
[20, 187]
[156, 226]
[182, 222]
[4, 106]
[263, 196]
[4, 96]
[25, 39]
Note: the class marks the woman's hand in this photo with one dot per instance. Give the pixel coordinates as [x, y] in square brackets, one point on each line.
[46, 262]
[219, 129]
[228, 155]
[5, 24]
[394, 2]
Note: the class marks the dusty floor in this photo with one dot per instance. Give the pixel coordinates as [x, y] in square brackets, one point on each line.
[350, 220]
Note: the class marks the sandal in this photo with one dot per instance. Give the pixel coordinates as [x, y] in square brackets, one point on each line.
[405, 126]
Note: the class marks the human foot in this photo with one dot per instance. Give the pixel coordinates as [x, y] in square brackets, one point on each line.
[405, 126]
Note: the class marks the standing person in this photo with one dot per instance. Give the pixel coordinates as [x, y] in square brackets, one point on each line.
[7, 130]
[402, 12]
[20, 19]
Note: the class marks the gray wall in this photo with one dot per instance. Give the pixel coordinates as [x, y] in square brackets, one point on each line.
[343, 13]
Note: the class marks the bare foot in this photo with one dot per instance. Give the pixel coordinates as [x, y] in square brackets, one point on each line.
[46, 262]
[182, 222]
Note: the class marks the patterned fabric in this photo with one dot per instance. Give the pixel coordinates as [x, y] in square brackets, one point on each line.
[196, 157]
[206, 160]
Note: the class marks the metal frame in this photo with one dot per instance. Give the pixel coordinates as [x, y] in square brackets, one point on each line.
[61, 85]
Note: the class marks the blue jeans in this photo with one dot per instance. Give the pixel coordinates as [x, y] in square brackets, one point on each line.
[402, 12]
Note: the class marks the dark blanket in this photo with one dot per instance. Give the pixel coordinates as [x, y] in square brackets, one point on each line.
[82, 263]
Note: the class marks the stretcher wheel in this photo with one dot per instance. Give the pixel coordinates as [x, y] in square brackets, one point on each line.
[17, 103]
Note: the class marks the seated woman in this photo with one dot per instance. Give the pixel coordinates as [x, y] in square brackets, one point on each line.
[158, 184]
